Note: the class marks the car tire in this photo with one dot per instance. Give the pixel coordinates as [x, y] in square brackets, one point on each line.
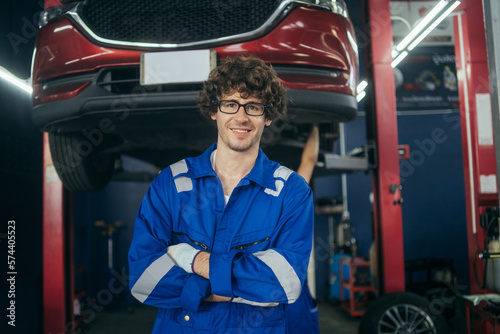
[78, 162]
[401, 312]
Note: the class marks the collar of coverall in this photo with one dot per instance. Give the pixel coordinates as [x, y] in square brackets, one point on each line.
[261, 173]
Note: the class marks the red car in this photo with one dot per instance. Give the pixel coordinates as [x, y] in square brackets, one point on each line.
[87, 90]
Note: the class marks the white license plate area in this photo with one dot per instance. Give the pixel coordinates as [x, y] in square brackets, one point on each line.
[176, 66]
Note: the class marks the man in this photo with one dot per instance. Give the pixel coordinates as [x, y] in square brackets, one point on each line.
[222, 241]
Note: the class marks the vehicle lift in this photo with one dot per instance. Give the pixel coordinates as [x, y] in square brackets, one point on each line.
[477, 53]
[382, 135]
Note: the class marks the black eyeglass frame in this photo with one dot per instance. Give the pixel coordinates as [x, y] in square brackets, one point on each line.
[244, 107]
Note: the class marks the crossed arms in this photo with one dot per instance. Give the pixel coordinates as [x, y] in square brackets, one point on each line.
[274, 275]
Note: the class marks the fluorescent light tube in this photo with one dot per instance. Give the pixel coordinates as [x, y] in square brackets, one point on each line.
[421, 25]
[399, 58]
[360, 96]
[361, 86]
[9, 77]
[432, 26]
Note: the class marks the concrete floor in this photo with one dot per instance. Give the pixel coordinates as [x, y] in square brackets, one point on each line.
[332, 319]
[335, 320]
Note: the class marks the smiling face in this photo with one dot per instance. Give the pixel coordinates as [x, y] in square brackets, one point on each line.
[240, 132]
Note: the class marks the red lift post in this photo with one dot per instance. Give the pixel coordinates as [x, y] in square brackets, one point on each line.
[58, 272]
[479, 154]
[382, 130]
[58, 269]
[480, 130]
[54, 283]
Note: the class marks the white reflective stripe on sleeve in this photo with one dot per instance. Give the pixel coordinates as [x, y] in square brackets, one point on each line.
[183, 183]
[151, 276]
[179, 167]
[283, 271]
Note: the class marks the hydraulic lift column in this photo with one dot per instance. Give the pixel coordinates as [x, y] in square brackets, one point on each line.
[492, 25]
[381, 120]
[480, 170]
[57, 250]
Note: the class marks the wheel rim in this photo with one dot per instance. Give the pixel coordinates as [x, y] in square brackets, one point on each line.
[404, 319]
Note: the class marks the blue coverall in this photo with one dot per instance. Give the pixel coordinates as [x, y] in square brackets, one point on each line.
[259, 242]
[302, 316]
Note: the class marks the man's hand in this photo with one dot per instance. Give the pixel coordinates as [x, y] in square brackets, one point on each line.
[183, 256]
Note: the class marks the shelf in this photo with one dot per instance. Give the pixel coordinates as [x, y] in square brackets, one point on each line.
[354, 306]
[357, 288]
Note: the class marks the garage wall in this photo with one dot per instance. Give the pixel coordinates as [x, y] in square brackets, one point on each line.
[434, 222]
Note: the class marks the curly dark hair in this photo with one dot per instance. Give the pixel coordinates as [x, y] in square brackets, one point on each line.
[248, 76]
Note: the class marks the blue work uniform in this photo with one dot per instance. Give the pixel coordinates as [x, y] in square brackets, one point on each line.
[259, 242]
[302, 316]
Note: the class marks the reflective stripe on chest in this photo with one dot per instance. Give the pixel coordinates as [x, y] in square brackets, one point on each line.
[183, 183]
[280, 175]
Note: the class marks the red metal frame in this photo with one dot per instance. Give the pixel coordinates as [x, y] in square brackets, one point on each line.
[355, 306]
[490, 322]
[473, 78]
[57, 250]
[54, 284]
[382, 129]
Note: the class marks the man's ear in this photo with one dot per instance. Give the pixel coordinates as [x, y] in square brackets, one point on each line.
[213, 116]
[268, 122]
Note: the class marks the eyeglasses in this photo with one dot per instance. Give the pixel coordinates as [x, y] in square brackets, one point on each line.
[251, 109]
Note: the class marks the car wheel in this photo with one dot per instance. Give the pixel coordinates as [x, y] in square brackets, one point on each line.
[401, 312]
[78, 162]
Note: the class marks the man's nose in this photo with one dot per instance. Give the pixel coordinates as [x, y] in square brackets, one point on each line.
[241, 114]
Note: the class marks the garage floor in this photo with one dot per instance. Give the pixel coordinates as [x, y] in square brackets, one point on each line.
[332, 319]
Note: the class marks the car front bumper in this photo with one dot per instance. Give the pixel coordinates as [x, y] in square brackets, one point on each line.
[77, 81]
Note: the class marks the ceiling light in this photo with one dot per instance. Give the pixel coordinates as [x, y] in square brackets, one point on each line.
[399, 58]
[422, 29]
[360, 96]
[421, 25]
[433, 25]
[361, 86]
[416, 35]
[11, 78]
